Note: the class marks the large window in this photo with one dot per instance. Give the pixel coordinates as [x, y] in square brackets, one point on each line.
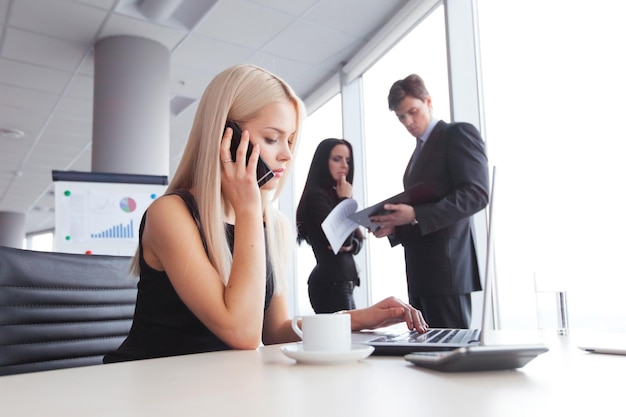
[553, 75]
[553, 84]
[324, 123]
[388, 146]
[40, 241]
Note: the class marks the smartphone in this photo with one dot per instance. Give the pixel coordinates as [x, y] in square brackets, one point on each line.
[263, 172]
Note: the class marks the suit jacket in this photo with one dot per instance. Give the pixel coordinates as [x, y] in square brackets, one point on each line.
[439, 251]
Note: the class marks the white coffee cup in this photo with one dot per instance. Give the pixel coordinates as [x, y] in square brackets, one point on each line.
[324, 332]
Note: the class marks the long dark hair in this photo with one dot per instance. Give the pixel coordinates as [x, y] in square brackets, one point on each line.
[320, 177]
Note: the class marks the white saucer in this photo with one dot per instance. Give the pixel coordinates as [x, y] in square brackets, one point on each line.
[296, 351]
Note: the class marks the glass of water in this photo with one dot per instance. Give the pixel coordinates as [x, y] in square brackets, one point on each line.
[551, 297]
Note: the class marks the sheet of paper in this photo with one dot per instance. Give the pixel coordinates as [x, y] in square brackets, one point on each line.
[337, 226]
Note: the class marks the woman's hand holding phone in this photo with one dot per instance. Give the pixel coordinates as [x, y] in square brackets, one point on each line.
[263, 172]
[238, 179]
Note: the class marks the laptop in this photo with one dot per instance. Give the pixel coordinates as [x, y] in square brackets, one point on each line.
[456, 349]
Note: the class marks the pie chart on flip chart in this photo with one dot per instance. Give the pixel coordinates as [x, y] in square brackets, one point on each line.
[128, 205]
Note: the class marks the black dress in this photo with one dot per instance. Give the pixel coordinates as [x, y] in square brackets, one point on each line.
[332, 281]
[162, 323]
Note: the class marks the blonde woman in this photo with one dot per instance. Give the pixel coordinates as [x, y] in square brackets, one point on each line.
[201, 289]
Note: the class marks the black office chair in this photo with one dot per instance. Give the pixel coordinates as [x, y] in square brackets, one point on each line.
[61, 310]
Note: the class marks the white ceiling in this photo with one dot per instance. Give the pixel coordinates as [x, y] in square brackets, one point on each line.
[46, 70]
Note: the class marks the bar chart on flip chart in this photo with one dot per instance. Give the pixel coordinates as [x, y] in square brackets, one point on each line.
[100, 213]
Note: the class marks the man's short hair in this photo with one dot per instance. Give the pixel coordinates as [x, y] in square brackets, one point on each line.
[413, 86]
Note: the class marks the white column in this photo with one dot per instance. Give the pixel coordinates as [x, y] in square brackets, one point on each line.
[353, 126]
[12, 229]
[131, 106]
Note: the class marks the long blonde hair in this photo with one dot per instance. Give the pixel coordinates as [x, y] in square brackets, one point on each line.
[238, 93]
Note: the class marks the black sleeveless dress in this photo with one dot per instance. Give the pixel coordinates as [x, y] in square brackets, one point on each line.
[162, 323]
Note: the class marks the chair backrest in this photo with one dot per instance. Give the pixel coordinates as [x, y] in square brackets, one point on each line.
[61, 310]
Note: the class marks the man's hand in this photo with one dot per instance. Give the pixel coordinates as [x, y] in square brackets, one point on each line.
[384, 231]
[400, 214]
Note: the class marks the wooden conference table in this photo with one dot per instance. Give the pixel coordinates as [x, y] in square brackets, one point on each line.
[264, 382]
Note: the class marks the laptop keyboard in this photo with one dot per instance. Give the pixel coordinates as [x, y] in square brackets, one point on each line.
[431, 336]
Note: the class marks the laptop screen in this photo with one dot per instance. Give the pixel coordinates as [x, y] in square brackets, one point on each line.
[487, 322]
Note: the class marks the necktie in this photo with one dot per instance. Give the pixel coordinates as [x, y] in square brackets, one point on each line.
[418, 148]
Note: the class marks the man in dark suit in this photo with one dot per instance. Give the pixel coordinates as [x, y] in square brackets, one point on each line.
[439, 250]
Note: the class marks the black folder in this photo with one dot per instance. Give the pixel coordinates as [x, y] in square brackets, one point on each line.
[417, 194]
